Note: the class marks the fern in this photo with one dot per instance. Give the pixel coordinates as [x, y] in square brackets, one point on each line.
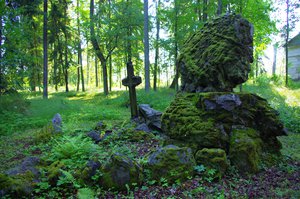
[73, 147]
[67, 178]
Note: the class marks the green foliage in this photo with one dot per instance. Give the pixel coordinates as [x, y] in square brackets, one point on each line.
[67, 178]
[69, 147]
[85, 193]
[282, 99]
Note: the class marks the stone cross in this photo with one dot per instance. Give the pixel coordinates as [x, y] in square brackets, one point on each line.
[132, 81]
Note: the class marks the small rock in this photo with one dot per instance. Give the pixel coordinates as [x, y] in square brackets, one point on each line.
[20, 180]
[143, 127]
[28, 164]
[57, 123]
[121, 170]
[95, 135]
[151, 116]
[100, 126]
[90, 170]
[229, 101]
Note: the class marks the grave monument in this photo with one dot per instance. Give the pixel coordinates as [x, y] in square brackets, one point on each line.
[222, 127]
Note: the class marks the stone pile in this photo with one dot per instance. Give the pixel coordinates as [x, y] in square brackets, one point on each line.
[220, 126]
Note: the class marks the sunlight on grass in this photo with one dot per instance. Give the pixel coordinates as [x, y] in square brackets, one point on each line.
[292, 96]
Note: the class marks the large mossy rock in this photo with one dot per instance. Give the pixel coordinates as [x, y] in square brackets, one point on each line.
[119, 171]
[245, 150]
[20, 181]
[241, 124]
[213, 159]
[218, 57]
[171, 163]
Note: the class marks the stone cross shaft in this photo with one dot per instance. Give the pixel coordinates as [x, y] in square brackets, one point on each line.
[132, 81]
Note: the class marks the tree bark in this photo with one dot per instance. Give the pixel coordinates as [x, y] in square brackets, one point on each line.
[219, 11]
[110, 72]
[146, 46]
[66, 60]
[78, 77]
[97, 48]
[174, 83]
[79, 48]
[45, 49]
[205, 5]
[286, 44]
[87, 64]
[110, 56]
[198, 10]
[275, 46]
[96, 71]
[156, 47]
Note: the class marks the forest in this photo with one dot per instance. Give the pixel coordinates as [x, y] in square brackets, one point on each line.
[216, 114]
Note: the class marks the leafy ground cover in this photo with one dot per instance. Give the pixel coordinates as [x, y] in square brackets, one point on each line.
[24, 133]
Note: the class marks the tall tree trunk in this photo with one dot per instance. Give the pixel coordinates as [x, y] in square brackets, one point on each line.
[219, 11]
[96, 71]
[79, 48]
[156, 46]
[146, 46]
[66, 63]
[256, 70]
[87, 64]
[275, 46]
[55, 82]
[78, 78]
[110, 72]
[81, 68]
[45, 49]
[205, 5]
[286, 44]
[174, 83]
[110, 56]
[97, 48]
[198, 10]
[1, 78]
[129, 34]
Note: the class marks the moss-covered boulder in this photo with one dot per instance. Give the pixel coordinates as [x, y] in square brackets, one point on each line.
[245, 150]
[217, 57]
[228, 121]
[213, 159]
[172, 163]
[20, 181]
[119, 171]
[17, 186]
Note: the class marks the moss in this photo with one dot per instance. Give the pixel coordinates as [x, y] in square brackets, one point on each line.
[17, 185]
[245, 150]
[216, 58]
[171, 163]
[213, 159]
[136, 136]
[203, 120]
[54, 172]
[120, 171]
[44, 135]
[185, 122]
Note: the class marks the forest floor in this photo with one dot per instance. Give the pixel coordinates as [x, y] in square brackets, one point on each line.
[21, 124]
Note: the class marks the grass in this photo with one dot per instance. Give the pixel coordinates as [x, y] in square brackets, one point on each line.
[81, 111]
